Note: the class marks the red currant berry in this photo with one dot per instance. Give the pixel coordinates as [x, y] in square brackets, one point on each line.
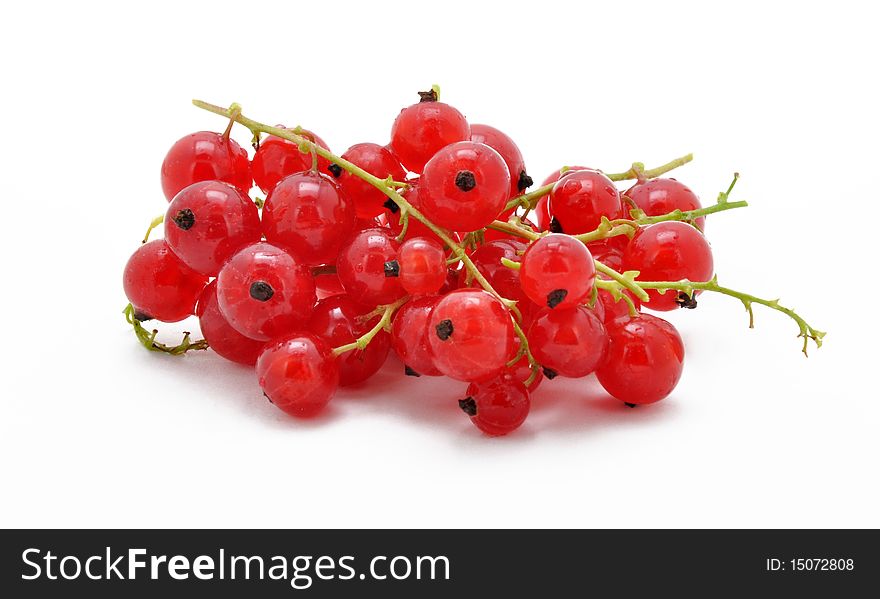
[338, 321]
[159, 285]
[557, 271]
[277, 158]
[471, 335]
[497, 407]
[669, 251]
[391, 217]
[205, 156]
[422, 266]
[264, 292]
[221, 337]
[208, 222]
[465, 186]
[542, 206]
[612, 310]
[308, 215]
[580, 199]
[570, 342]
[487, 259]
[422, 129]
[409, 336]
[513, 158]
[328, 284]
[376, 160]
[644, 359]
[368, 268]
[298, 374]
[661, 196]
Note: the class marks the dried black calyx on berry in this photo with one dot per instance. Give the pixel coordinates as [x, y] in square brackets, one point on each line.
[629, 405]
[141, 316]
[524, 181]
[468, 406]
[185, 219]
[686, 301]
[392, 268]
[261, 291]
[335, 170]
[428, 96]
[550, 374]
[444, 329]
[555, 226]
[555, 297]
[409, 371]
[465, 180]
[392, 206]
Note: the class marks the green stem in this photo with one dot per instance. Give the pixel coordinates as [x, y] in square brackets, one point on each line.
[626, 280]
[634, 172]
[514, 230]
[153, 224]
[148, 338]
[364, 340]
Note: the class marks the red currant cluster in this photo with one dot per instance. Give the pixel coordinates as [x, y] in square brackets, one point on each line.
[424, 247]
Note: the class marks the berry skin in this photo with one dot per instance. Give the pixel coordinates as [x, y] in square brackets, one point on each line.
[497, 407]
[422, 266]
[207, 222]
[159, 285]
[310, 216]
[328, 284]
[464, 187]
[409, 336]
[277, 158]
[612, 310]
[668, 251]
[513, 158]
[298, 374]
[205, 156]
[264, 292]
[571, 342]
[221, 337]
[580, 199]
[557, 271]
[487, 259]
[470, 335]
[368, 269]
[542, 207]
[662, 196]
[422, 129]
[376, 160]
[391, 217]
[644, 360]
[336, 320]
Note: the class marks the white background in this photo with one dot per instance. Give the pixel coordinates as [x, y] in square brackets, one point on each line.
[98, 432]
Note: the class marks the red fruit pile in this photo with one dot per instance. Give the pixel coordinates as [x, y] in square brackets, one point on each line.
[434, 264]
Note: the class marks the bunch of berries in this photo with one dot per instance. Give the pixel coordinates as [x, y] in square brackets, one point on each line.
[431, 247]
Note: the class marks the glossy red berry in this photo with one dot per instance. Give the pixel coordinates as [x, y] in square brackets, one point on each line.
[422, 129]
[159, 285]
[580, 199]
[368, 269]
[390, 217]
[669, 251]
[327, 284]
[661, 196]
[207, 222]
[277, 158]
[612, 310]
[264, 292]
[497, 407]
[570, 342]
[310, 216]
[557, 271]
[376, 160]
[205, 156]
[221, 337]
[510, 152]
[337, 320]
[464, 186]
[471, 335]
[644, 360]
[298, 374]
[487, 258]
[542, 207]
[409, 336]
[522, 371]
[422, 266]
